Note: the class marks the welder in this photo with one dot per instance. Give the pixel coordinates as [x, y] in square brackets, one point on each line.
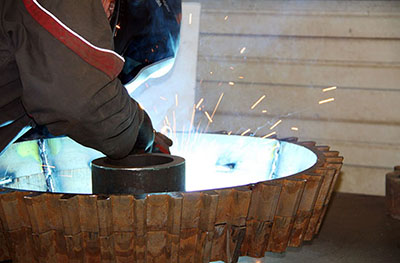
[60, 75]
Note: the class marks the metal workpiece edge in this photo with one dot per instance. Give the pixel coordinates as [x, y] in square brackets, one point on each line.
[212, 225]
[177, 160]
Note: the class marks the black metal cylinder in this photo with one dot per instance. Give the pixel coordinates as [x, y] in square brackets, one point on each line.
[138, 174]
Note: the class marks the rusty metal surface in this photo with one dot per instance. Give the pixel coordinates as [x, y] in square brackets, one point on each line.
[197, 226]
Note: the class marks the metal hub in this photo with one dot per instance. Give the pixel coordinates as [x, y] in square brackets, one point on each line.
[138, 174]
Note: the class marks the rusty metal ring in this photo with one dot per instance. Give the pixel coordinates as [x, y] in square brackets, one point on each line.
[201, 226]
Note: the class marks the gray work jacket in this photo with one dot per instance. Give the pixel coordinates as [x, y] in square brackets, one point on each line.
[57, 69]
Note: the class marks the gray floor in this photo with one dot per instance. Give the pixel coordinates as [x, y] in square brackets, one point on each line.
[356, 229]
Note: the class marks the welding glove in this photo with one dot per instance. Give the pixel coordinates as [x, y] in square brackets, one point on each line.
[145, 138]
[161, 143]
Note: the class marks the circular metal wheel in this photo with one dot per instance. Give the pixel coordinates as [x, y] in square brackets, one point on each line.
[199, 226]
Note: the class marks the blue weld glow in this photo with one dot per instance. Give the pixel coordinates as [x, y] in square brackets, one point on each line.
[219, 161]
[212, 161]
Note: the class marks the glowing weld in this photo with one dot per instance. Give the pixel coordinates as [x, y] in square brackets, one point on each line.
[276, 124]
[326, 101]
[257, 102]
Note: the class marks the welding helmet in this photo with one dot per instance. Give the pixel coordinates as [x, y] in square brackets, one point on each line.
[146, 34]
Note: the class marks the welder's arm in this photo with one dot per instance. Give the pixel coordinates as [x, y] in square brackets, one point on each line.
[70, 85]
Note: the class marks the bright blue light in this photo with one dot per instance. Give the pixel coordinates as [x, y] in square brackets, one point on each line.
[212, 161]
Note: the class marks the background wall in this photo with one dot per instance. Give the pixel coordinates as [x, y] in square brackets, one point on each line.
[290, 51]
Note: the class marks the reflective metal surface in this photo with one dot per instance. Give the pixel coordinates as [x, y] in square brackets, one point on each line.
[212, 161]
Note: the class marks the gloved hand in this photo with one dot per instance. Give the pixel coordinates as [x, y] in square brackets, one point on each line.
[161, 143]
[145, 138]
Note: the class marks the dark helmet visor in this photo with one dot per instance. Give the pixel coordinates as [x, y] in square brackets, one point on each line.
[146, 32]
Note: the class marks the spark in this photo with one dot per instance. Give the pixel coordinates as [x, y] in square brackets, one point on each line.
[167, 121]
[276, 124]
[226, 18]
[264, 111]
[258, 101]
[208, 116]
[216, 106]
[241, 77]
[245, 132]
[190, 18]
[199, 103]
[232, 68]
[230, 132]
[163, 98]
[326, 101]
[294, 129]
[328, 89]
[174, 125]
[211, 72]
[231, 83]
[268, 135]
[242, 50]
[176, 100]
[192, 120]
[118, 26]
[219, 84]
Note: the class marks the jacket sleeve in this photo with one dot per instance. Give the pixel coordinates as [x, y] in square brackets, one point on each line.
[69, 75]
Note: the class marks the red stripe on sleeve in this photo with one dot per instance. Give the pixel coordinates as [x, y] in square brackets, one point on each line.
[103, 59]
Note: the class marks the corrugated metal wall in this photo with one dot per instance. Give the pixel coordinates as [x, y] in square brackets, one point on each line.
[290, 51]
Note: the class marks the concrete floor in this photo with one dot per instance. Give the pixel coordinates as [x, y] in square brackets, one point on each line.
[356, 229]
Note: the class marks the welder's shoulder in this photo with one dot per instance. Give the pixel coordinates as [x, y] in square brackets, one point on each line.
[85, 18]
